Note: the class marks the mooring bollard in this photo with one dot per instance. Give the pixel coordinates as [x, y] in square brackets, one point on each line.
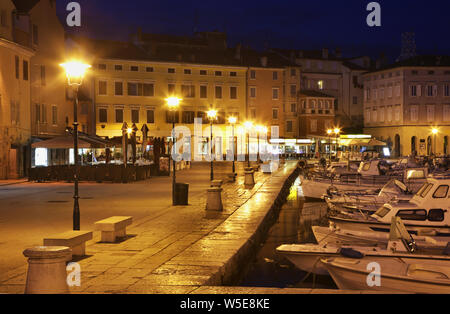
[47, 269]
[214, 199]
[249, 179]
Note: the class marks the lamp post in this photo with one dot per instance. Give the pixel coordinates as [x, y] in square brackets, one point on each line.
[173, 103]
[212, 115]
[75, 71]
[435, 131]
[337, 131]
[232, 121]
[248, 126]
[329, 132]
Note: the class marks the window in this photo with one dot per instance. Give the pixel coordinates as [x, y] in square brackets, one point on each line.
[170, 116]
[320, 85]
[17, 66]
[441, 192]
[119, 115]
[54, 115]
[293, 72]
[289, 126]
[187, 71]
[293, 90]
[414, 113]
[3, 17]
[149, 69]
[219, 92]
[118, 88]
[148, 89]
[355, 100]
[43, 113]
[218, 73]
[118, 67]
[417, 214]
[171, 88]
[293, 107]
[102, 88]
[253, 92]
[135, 115]
[171, 70]
[134, 68]
[275, 114]
[233, 92]
[430, 113]
[25, 70]
[103, 115]
[203, 72]
[275, 75]
[313, 126]
[35, 35]
[203, 91]
[383, 211]
[43, 81]
[275, 93]
[188, 91]
[252, 74]
[447, 90]
[436, 215]
[102, 67]
[425, 189]
[132, 89]
[150, 116]
[233, 74]
[188, 117]
[446, 113]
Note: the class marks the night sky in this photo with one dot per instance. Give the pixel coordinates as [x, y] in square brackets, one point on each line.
[296, 24]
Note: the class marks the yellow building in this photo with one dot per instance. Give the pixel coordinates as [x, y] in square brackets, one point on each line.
[15, 75]
[128, 85]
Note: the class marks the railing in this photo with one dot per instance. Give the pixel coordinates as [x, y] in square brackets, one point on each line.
[98, 173]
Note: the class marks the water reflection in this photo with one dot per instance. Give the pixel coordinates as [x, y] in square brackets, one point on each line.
[293, 226]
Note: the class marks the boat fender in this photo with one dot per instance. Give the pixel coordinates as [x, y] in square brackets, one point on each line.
[351, 253]
[447, 250]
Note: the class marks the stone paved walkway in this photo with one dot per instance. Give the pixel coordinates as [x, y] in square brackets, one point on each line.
[179, 250]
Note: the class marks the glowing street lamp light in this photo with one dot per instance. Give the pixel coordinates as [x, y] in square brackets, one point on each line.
[173, 103]
[435, 131]
[75, 72]
[212, 115]
[248, 126]
[329, 132]
[232, 121]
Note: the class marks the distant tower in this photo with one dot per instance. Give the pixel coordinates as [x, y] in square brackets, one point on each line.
[408, 46]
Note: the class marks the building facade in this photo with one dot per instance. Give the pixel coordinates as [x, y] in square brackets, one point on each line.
[15, 125]
[408, 105]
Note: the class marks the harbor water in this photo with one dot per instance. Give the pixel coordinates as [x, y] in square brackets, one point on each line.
[269, 269]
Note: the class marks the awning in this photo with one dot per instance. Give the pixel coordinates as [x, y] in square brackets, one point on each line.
[66, 142]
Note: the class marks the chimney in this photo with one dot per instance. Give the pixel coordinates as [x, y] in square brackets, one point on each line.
[292, 56]
[338, 53]
[264, 61]
[179, 57]
[300, 54]
[325, 53]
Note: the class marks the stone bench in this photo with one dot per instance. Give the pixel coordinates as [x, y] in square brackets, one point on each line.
[76, 240]
[113, 227]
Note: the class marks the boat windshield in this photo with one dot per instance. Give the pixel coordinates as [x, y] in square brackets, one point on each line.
[382, 211]
[423, 193]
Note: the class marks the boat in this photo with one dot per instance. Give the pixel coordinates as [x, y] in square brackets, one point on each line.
[367, 200]
[373, 174]
[423, 262]
[427, 213]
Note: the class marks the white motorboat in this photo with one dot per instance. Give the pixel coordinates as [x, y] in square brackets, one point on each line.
[427, 213]
[308, 257]
[372, 174]
[367, 200]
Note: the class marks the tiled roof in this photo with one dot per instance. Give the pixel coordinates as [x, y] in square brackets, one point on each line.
[419, 61]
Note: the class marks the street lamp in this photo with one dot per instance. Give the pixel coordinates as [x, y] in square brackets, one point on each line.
[75, 71]
[435, 131]
[337, 131]
[329, 132]
[248, 126]
[232, 121]
[212, 115]
[173, 103]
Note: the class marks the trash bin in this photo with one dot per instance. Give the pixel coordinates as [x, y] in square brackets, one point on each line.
[181, 193]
